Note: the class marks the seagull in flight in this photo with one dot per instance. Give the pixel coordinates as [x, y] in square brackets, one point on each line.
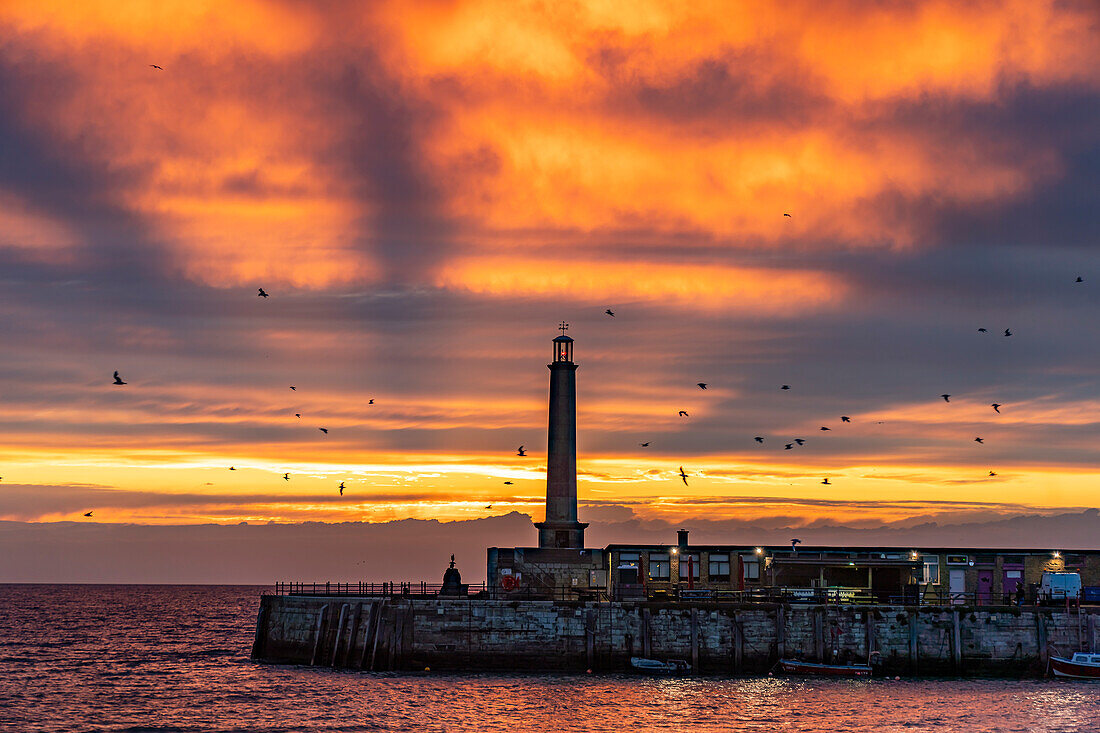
[996, 407]
[1079, 279]
[520, 451]
[785, 386]
[979, 440]
[845, 418]
[610, 312]
[286, 477]
[825, 428]
[788, 446]
[1008, 332]
[644, 445]
[683, 413]
[232, 468]
[370, 401]
[323, 430]
[702, 385]
[507, 483]
[294, 388]
[982, 330]
[991, 473]
[341, 488]
[946, 397]
[262, 294]
[788, 216]
[156, 67]
[118, 380]
[88, 514]
[298, 415]
[826, 481]
[800, 441]
[683, 475]
[758, 439]
[488, 506]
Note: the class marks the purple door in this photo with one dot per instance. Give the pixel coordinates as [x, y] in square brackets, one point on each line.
[985, 587]
[1013, 579]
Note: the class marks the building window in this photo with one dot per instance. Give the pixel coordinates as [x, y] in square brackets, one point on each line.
[719, 566]
[931, 569]
[752, 566]
[658, 566]
[958, 560]
[689, 566]
[628, 557]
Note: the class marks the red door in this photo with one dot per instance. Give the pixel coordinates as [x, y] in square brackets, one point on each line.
[985, 587]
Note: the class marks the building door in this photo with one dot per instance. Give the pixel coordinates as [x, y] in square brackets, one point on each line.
[985, 587]
[1011, 583]
[957, 585]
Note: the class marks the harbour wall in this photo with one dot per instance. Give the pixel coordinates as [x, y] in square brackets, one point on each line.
[411, 634]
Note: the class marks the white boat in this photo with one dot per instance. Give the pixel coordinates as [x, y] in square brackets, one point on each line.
[655, 666]
[1083, 666]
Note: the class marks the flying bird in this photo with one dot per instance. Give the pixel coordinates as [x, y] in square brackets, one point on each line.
[232, 468]
[825, 428]
[507, 483]
[1008, 332]
[156, 67]
[520, 451]
[826, 481]
[88, 514]
[683, 475]
[845, 418]
[800, 441]
[788, 446]
[262, 294]
[996, 407]
[785, 386]
[644, 445]
[992, 474]
[683, 414]
[979, 440]
[982, 330]
[1079, 279]
[946, 397]
[118, 380]
[294, 388]
[298, 415]
[370, 401]
[702, 385]
[795, 542]
[758, 439]
[488, 506]
[788, 216]
[341, 488]
[323, 430]
[286, 477]
[610, 312]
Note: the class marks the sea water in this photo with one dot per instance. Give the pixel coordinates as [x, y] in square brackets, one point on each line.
[176, 658]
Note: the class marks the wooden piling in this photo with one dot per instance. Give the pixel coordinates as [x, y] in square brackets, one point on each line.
[317, 634]
[590, 637]
[869, 634]
[694, 621]
[956, 641]
[819, 634]
[738, 645]
[1041, 640]
[1091, 626]
[914, 651]
[647, 649]
[781, 632]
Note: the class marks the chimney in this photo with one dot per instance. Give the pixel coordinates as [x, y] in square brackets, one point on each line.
[682, 539]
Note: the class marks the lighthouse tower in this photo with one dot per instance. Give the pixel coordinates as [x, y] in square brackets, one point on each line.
[561, 528]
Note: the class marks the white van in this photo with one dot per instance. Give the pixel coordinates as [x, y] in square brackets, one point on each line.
[1060, 586]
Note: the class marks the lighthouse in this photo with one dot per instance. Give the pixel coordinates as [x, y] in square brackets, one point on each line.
[561, 528]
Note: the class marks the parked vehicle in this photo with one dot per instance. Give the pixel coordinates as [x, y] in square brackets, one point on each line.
[1055, 586]
[793, 666]
[656, 666]
[1083, 666]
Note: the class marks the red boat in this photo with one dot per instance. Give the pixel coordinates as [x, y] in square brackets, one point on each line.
[1083, 666]
[792, 666]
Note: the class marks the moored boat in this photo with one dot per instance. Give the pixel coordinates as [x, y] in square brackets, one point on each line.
[1082, 666]
[793, 666]
[656, 666]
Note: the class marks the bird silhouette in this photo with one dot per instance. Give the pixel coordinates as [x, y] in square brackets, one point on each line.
[788, 446]
[488, 506]
[294, 388]
[610, 312]
[826, 481]
[323, 430]
[788, 216]
[845, 418]
[370, 401]
[758, 439]
[262, 294]
[800, 441]
[702, 385]
[298, 415]
[286, 477]
[1008, 332]
[982, 330]
[683, 413]
[785, 386]
[87, 514]
[341, 488]
[996, 407]
[825, 428]
[979, 440]
[992, 474]
[118, 380]
[156, 67]
[507, 483]
[1079, 279]
[795, 542]
[520, 451]
[946, 397]
[683, 475]
[644, 445]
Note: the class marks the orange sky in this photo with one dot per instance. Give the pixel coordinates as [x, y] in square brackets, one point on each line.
[426, 189]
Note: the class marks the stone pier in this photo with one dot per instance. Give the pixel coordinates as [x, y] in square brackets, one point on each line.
[532, 636]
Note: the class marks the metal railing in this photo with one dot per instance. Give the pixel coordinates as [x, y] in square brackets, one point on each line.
[400, 589]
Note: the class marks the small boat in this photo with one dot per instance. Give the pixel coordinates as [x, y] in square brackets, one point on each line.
[1083, 666]
[793, 666]
[655, 666]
